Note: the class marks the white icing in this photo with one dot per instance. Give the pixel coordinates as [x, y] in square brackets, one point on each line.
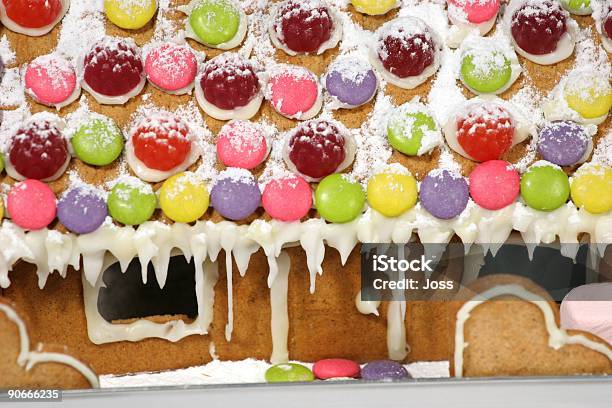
[234, 42]
[32, 32]
[366, 306]
[28, 358]
[279, 311]
[557, 337]
[462, 28]
[396, 330]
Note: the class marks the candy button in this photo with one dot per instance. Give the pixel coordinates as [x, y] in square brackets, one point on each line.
[184, 197]
[494, 184]
[444, 194]
[485, 131]
[563, 143]
[1, 209]
[130, 14]
[131, 201]
[351, 81]
[392, 194]
[236, 194]
[588, 94]
[215, 21]
[33, 14]
[485, 72]
[294, 92]
[98, 142]
[288, 372]
[335, 368]
[242, 144]
[384, 370]
[374, 7]
[591, 188]
[287, 198]
[51, 80]
[338, 199]
[1, 163]
[477, 11]
[545, 187]
[171, 67]
[407, 128]
[580, 7]
[31, 205]
[82, 210]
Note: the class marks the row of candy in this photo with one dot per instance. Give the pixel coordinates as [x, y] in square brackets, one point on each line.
[337, 368]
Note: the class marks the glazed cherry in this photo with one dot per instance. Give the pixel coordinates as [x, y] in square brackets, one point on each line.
[607, 24]
[113, 67]
[485, 132]
[229, 81]
[161, 142]
[317, 149]
[38, 150]
[406, 54]
[303, 26]
[537, 26]
[33, 13]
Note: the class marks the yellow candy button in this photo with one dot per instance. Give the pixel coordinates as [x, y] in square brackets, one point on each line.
[589, 95]
[591, 188]
[1, 210]
[392, 194]
[130, 14]
[184, 197]
[374, 7]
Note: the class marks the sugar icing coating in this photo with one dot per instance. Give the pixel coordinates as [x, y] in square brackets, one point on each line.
[475, 11]
[82, 210]
[287, 198]
[32, 17]
[31, 205]
[563, 143]
[184, 197]
[335, 368]
[98, 141]
[171, 67]
[242, 144]
[591, 188]
[589, 94]
[130, 14]
[494, 184]
[51, 80]
[294, 92]
[392, 193]
[444, 194]
[545, 187]
[351, 81]
[384, 370]
[338, 199]
[412, 130]
[131, 201]
[235, 194]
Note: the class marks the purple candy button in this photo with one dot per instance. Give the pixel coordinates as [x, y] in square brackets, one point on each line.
[444, 194]
[81, 210]
[384, 370]
[236, 194]
[563, 143]
[352, 81]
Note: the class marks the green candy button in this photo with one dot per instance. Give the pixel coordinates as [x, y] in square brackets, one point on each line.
[581, 6]
[545, 188]
[132, 202]
[288, 372]
[98, 142]
[339, 200]
[406, 130]
[215, 21]
[1, 163]
[488, 74]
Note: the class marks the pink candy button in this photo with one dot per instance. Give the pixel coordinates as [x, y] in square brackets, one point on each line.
[293, 91]
[31, 205]
[477, 11]
[171, 66]
[242, 144]
[50, 79]
[287, 199]
[494, 184]
[335, 368]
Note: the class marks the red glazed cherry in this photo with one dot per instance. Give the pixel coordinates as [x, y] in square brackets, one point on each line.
[113, 67]
[406, 51]
[316, 148]
[607, 24]
[161, 142]
[33, 13]
[38, 150]
[229, 81]
[303, 26]
[485, 132]
[537, 26]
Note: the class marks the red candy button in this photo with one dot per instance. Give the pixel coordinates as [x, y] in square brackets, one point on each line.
[336, 368]
[33, 13]
[31, 205]
[485, 132]
[494, 184]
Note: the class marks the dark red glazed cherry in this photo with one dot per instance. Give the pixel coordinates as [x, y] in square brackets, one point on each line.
[316, 148]
[537, 26]
[33, 13]
[229, 81]
[113, 67]
[607, 24]
[303, 26]
[38, 150]
[406, 51]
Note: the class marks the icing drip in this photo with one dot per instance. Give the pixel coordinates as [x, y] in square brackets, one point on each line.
[396, 330]
[279, 311]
